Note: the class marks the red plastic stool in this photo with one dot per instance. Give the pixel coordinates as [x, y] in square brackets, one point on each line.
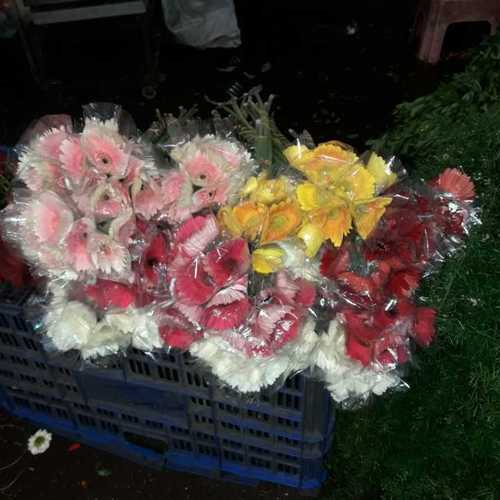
[434, 17]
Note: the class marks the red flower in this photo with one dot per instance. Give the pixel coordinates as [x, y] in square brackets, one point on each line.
[404, 283]
[156, 259]
[176, 337]
[424, 325]
[456, 183]
[334, 262]
[107, 294]
[193, 286]
[13, 269]
[356, 349]
[228, 261]
[226, 316]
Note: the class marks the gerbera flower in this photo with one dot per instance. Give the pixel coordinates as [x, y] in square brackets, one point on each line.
[77, 244]
[146, 197]
[49, 217]
[72, 160]
[228, 261]
[196, 234]
[108, 255]
[39, 442]
[456, 183]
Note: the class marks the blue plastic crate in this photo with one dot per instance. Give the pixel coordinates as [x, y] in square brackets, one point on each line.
[164, 412]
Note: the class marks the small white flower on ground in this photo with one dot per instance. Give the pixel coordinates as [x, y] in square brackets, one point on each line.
[39, 442]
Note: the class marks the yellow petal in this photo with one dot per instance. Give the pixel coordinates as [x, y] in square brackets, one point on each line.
[271, 191]
[282, 221]
[338, 225]
[251, 218]
[229, 222]
[267, 260]
[308, 196]
[367, 214]
[381, 172]
[358, 183]
[295, 154]
[250, 186]
[313, 238]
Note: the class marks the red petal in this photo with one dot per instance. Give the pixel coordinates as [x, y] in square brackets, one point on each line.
[404, 283]
[107, 294]
[194, 290]
[424, 325]
[357, 350]
[176, 337]
[228, 261]
[74, 447]
[334, 262]
[225, 317]
[306, 294]
[360, 285]
[456, 183]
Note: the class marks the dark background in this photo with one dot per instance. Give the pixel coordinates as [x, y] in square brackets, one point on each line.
[334, 84]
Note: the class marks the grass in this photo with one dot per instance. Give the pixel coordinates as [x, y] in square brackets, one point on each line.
[441, 439]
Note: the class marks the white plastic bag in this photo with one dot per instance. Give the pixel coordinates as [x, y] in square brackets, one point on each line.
[202, 24]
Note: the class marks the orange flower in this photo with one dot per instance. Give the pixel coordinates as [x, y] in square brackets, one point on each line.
[368, 213]
[246, 219]
[284, 218]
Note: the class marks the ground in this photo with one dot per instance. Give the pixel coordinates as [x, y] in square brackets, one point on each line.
[329, 80]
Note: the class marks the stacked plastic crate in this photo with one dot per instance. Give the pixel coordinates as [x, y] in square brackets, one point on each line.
[163, 412]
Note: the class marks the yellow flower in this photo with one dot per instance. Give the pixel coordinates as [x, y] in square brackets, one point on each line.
[320, 163]
[268, 191]
[282, 221]
[338, 225]
[381, 172]
[353, 182]
[268, 259]
[313, 238]
[246, 219]
[308, 196]
[368, 213]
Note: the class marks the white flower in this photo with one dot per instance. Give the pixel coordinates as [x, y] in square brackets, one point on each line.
[105, 340]
[69, 325]
[346, 379]
[250, 374]
[39, 442]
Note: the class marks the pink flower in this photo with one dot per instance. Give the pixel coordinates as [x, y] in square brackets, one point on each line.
[228, 261]
[109, 200]
[123, 227]
[77, 244]
[72, 160]
[107, 157]
[49, 144]
[147, 198]
[50, 217]
[193, 237]
[456, 183]
[202, 171]
[210, 195]
[108, 255]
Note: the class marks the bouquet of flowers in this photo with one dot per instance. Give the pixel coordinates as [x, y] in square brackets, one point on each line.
[260, 257]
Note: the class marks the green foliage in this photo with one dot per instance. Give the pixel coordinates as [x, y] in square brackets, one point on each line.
[441, 439]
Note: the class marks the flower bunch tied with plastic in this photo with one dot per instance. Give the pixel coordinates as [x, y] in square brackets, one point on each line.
[260, 256]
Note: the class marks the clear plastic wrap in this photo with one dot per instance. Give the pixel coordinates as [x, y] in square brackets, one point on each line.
[260, 262]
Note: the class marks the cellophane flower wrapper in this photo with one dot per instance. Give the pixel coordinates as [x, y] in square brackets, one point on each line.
[260, 257]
